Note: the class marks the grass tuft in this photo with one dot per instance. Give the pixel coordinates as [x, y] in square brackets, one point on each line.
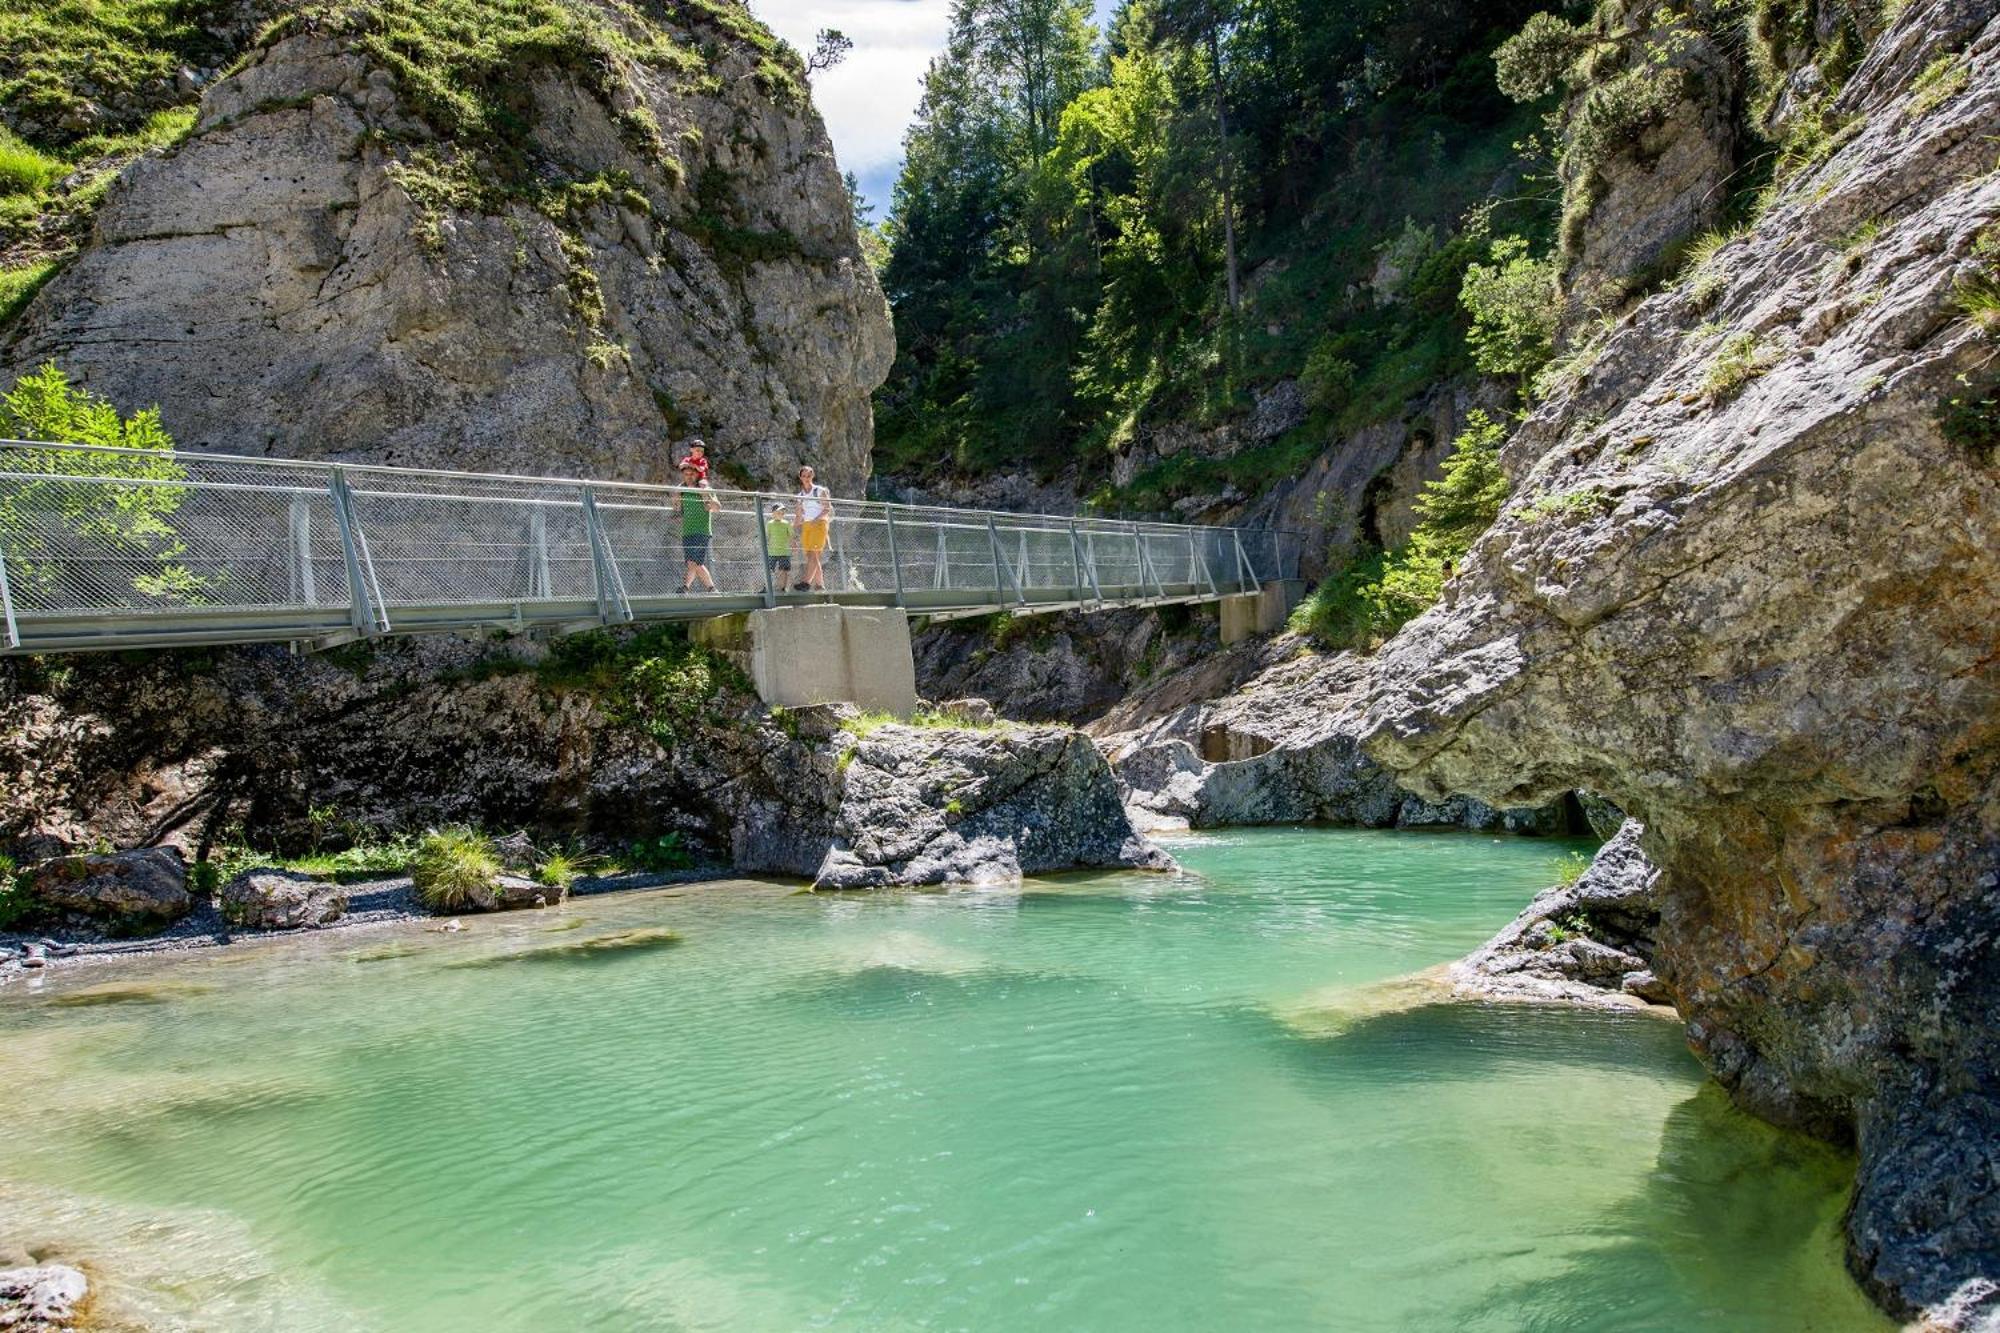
[1740, 359]
[452, 867]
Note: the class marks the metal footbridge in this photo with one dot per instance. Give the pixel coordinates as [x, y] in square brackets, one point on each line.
[108, 548]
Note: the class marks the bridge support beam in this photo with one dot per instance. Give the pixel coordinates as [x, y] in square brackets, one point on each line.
[1246, 615]
[801, 655]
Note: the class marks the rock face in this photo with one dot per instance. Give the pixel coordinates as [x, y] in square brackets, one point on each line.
[120, 892]
[1282, 748]
[340, 279]
[1590, 942]
[271, 899]
[45, 1296]
[1746, 590]
[1068, 667]
[1668, 180]
[945, 805]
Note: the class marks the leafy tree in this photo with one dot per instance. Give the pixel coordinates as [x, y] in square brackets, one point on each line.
[1514, 307]
[1531, 62]
[44, 524]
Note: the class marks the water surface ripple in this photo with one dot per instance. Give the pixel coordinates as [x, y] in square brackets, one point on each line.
[1107, 1102]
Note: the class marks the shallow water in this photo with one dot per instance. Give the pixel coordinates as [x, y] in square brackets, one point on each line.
[1095, 1104]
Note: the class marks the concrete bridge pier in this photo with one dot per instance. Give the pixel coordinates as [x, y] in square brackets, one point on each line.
[801, 655]
[1246, 615]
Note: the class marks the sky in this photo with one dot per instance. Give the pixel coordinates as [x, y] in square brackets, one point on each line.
[869, 98]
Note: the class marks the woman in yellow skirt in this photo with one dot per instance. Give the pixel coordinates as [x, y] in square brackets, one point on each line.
[815, 517]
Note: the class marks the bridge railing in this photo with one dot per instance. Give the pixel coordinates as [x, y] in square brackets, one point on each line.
[104, 547]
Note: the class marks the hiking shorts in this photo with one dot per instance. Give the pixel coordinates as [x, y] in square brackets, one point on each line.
[812, 534]
[694, 546]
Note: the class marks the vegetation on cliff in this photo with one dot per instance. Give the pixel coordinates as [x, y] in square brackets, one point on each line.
[87, 87]
[1092, 238]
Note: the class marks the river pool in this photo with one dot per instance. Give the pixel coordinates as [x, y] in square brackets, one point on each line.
[1102, 1102]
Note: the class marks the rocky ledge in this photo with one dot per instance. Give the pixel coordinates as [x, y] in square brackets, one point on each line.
[1590, 942]
[1270, 734]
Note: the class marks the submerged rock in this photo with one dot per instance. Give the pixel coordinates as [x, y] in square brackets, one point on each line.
[271, 899]
[948, 805]
[117, 892]
[45, 1296]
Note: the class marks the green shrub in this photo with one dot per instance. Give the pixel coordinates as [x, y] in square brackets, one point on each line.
[1534, 60]
[131, 522]
[1741, 358]
[1328, 378]
[1379, 593]
[1514, 304]
[24, 170]
[452, 867]
[1970, 418]
[1942, 79]
[654, 678]
[1570, 869]
[14, 899]
[1570, 506]
[658, 855]
[1978, 299]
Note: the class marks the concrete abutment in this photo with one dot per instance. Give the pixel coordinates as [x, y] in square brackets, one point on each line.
[801, 655]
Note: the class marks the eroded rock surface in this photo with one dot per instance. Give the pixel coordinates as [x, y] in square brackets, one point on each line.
[272, 899]
[946, 805]
[1747, 590]
[1283, 747]
[118, 892]
[296, 260]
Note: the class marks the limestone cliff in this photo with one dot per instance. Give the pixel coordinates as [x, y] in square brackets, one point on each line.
[1748, 587]
[384, 241]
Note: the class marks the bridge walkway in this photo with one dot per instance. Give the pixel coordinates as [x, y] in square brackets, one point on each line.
[104, 548]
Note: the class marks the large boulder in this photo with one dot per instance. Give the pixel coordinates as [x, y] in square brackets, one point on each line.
[118, 892]
[271, 899]
[946, 805]
[1747, 589]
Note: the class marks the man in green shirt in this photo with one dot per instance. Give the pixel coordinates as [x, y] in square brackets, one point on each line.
[698, 509]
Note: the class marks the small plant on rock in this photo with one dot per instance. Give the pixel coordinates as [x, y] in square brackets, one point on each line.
[452, 867]
[1570, 869]
[1741, 359]
[14, 901]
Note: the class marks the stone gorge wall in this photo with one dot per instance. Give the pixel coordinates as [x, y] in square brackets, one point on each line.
[1749, 589]
[321, 272]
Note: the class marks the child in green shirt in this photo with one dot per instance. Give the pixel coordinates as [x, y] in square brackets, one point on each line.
[778, 545]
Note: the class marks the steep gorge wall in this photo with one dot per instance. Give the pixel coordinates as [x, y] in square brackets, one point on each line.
[1748, 587]
[647, 237]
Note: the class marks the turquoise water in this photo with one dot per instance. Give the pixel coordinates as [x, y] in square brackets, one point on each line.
[1113, 1102]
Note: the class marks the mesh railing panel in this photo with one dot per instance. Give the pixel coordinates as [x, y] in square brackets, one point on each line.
[117, 533]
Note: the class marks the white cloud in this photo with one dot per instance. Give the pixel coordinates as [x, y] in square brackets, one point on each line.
[868, 99]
